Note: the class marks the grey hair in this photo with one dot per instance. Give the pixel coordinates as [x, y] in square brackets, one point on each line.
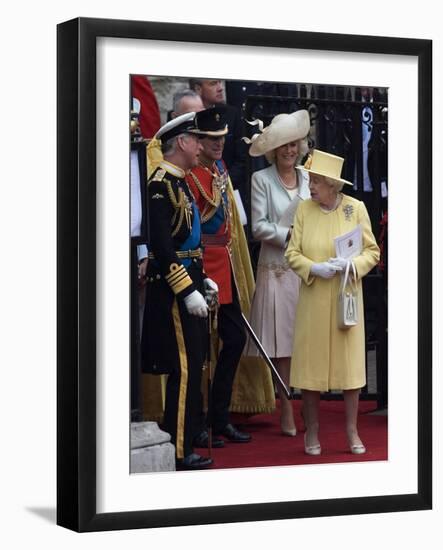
[169, 147]
[303, 149]
[178, 96]
[334, 184]
[337, 185]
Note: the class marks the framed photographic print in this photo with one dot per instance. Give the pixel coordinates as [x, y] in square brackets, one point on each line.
[361, 93]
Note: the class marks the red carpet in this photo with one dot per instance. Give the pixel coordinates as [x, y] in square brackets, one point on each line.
[270, 448]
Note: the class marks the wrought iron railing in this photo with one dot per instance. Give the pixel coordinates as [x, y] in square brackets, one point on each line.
[344, 124]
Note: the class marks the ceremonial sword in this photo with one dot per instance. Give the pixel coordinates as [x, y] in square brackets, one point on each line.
[262, 352]
[266, 358]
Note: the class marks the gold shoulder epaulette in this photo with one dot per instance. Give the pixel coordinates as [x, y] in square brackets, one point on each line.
[159, 175]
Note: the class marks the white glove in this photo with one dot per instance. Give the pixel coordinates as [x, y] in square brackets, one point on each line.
[339, 262]
[211, 292]
[325, 270]
[196, 305]
[210, 286]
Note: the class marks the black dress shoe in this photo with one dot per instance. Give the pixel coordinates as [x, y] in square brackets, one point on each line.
[234, 435]
[193, 462]
[202, 441]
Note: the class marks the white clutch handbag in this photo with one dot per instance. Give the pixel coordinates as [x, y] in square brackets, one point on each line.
[347, 307]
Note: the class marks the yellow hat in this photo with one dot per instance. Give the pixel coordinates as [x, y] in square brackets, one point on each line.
[325, 164]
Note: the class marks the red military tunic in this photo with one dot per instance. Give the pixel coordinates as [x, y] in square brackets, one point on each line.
[209, 189]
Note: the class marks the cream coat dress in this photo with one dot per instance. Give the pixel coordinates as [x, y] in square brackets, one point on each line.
[324, 356]
[276, 293]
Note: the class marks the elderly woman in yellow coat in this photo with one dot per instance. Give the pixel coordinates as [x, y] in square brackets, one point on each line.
[326, 357]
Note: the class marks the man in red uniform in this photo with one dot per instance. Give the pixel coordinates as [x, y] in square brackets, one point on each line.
[209, 183]
[212, 94]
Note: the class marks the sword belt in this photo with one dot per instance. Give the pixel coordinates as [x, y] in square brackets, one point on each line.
[183, 254]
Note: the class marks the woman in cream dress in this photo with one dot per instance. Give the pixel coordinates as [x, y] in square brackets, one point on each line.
[276, 192]
[326, 357]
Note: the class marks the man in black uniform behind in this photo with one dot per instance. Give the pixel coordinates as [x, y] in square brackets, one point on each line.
[174, 326]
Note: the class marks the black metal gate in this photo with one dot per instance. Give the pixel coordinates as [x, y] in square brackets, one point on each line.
[349, 123]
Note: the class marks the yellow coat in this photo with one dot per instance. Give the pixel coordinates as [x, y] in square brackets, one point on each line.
[324, 356]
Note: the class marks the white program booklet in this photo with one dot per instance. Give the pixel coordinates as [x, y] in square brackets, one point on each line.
[240, 207]
[287, 218]
[349, 245]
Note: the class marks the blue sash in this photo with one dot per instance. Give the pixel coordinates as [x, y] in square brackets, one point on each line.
[212, 226]
[193, 240]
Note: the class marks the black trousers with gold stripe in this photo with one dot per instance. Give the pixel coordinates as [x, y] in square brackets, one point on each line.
[175, 342]
[183, 387]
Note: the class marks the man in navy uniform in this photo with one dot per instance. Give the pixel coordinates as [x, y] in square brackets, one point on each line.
[174, 338]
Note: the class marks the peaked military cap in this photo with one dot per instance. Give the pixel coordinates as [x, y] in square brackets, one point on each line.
[211, 122]
[183, 124]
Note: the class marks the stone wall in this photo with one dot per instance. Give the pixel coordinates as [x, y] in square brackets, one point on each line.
[165, 87]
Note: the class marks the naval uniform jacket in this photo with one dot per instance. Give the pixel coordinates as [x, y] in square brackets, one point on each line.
[175, 270]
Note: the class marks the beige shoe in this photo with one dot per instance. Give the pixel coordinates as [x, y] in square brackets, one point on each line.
[291, 433]
[312, 450]
[358, 449]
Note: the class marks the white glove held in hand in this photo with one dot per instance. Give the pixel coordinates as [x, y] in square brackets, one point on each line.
[325, 270]
[339, 262]
[196, 305]
[210, 285]
[211, 292]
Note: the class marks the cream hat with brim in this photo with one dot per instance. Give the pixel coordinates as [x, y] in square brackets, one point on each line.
[283, 129]
[325, 164]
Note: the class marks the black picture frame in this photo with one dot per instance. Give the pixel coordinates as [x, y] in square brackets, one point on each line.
[76, 280]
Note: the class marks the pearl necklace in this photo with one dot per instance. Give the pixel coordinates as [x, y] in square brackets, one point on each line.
[289, 188]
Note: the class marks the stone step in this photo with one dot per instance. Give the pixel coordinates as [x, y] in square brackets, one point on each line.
[151, 449]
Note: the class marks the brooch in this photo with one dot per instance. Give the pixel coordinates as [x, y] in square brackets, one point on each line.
[348, 210]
